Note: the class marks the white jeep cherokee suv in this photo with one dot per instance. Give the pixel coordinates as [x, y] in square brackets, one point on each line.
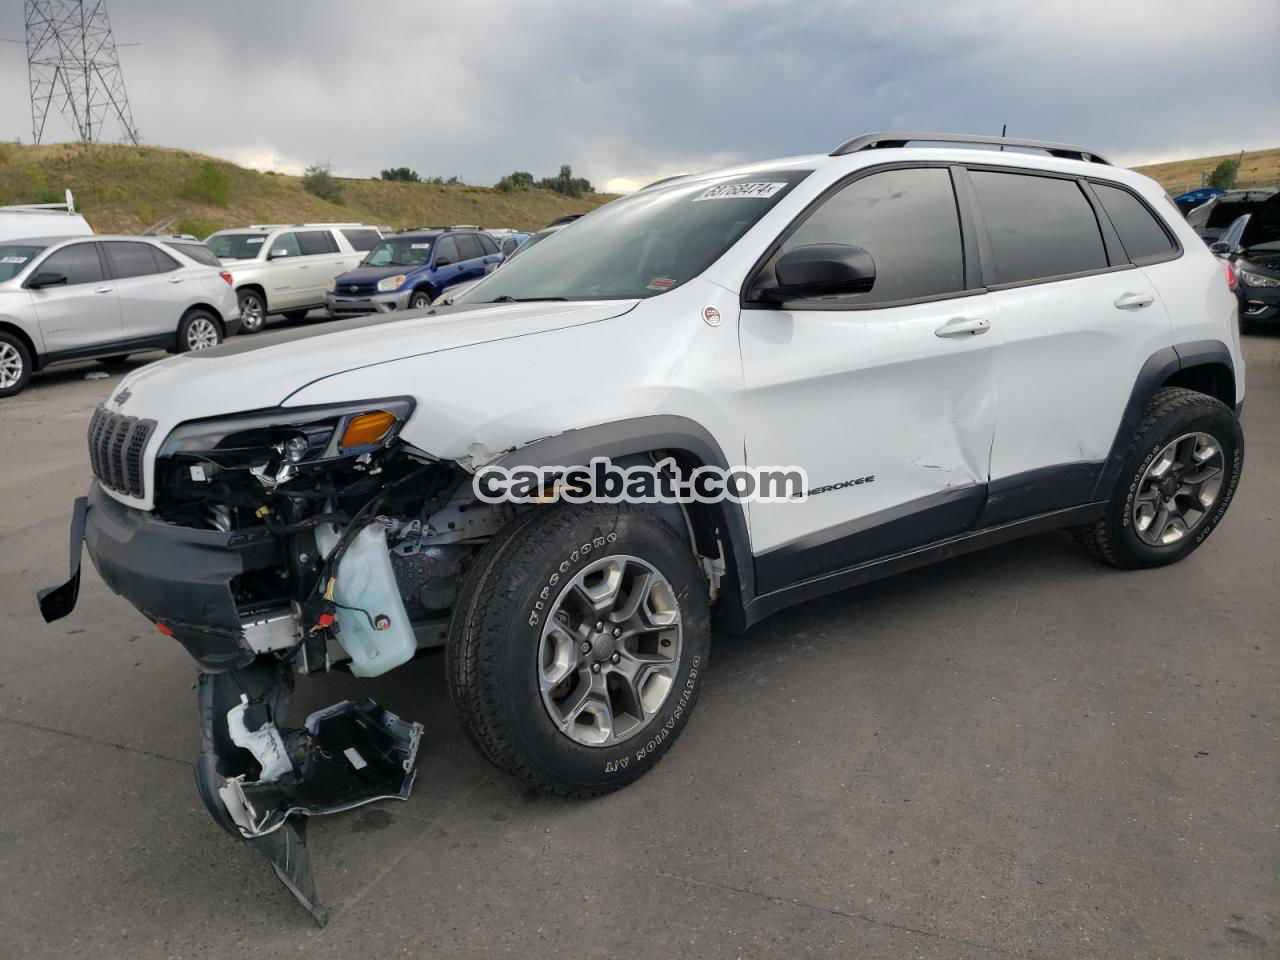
[958, 346]
[288, 269]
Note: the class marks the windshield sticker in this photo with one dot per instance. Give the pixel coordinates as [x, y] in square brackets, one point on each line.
[255, 240]
[419, 246]
[14, 259]
[661, 283]
[733, 191]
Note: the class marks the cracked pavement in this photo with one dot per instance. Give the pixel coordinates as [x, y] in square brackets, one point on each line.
[1018, 753]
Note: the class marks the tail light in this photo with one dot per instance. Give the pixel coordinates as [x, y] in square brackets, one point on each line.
[227, 277]
[1229, 273]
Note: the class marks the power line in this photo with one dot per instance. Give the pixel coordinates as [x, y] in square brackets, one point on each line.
[74, 69]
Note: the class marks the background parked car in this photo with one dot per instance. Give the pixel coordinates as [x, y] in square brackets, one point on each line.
[1252, 246]
[510, 241]
[1211, 218]
[287, 269]
[409, 270]
[447, 298]
[1188, 201]
[42, 220]
[72, 298]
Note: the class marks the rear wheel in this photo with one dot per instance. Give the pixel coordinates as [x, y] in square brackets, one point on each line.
[578, 646]
[253, 311]
[1178, 479]
[199, 330]
[15, 365]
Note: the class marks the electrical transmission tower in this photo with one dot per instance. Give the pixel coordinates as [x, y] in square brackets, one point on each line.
[74, 69]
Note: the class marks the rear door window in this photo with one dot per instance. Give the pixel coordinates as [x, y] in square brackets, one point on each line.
[906, 219]
[1040, 227]
[131, 259]
[362, 239]
[317, 242]
[1141, 234]
[468, 247]
[79, 263]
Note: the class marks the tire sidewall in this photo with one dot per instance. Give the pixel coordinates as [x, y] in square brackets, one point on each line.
[25, 356]
[1212, 418]
[560, 559]
[416, 295]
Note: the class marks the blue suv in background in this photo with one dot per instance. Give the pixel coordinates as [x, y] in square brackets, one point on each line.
[409, 270]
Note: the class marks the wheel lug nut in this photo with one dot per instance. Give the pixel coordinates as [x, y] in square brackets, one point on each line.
[616, 658]
[599, 625]
[586, 647]
[595, 668]
[617, 631]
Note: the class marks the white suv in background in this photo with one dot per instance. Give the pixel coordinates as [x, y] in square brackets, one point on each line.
[82, 298]
[288, 268]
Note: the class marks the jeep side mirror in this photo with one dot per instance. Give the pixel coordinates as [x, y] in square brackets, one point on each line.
[443, 261]
[822, 270]
[47, 278]
[1220, 247]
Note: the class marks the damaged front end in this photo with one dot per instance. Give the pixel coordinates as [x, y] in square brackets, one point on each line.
[284, 542]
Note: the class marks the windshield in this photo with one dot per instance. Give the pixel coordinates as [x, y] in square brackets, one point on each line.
[640, 246]
[532, 241]
[236, 246]
[399, 252]
[14, 257]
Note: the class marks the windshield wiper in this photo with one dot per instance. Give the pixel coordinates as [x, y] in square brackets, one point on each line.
[507, 298]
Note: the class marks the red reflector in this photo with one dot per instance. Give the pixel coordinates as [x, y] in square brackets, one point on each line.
[227, 277]
[164, 628]
[1229, 274]
[326, 620]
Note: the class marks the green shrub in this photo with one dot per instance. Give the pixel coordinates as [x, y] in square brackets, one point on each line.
[1224, 174]
[211, 185]
[402, 174]
[566, 183]
[319, 182]
[197, 228]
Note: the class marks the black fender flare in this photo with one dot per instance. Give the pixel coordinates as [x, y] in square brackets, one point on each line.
[681, 435]
[1157, 370]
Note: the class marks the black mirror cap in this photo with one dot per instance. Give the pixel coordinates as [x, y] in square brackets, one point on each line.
[823, 269]
[444, 262]
[46, 278]
[1220, 247]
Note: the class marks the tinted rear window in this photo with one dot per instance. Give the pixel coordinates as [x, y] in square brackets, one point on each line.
[362, 239]
[1141, 234]
[197, 252]
[315, 242]
[1039, 227]
[486, 243]
[130, 259]
[468, 247]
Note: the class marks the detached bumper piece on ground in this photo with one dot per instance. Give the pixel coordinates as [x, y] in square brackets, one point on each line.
[260, 779]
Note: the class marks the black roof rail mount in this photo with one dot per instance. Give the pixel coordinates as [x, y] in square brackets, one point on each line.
[884, 141]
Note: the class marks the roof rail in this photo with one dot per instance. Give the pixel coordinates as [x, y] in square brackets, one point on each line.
[882, 141]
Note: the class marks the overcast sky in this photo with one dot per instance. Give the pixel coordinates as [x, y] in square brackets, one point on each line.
[629, 92]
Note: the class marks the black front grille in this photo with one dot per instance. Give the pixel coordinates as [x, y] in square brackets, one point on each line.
[116, 445]
[360, 288]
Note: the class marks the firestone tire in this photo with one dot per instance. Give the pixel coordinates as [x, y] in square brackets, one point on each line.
[1176, 420]
[513, 598]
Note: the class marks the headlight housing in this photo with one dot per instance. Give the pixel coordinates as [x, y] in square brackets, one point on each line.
[1257, 280]
[389, 284]
[290, 437]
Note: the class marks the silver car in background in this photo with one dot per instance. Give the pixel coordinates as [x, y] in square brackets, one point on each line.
[81, 298]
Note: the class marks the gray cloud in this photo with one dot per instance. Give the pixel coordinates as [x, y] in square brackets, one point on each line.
[639, 91]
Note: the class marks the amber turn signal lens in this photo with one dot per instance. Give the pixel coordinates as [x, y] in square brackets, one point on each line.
[366, 429]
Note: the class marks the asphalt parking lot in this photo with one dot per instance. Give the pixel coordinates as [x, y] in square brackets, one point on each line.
[1019, 753]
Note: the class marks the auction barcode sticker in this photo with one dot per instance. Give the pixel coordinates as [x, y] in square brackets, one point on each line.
[731, 191]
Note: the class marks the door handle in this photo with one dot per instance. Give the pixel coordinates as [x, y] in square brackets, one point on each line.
[963, 327]
[175, 279]
[1134, 301]
[103, 289]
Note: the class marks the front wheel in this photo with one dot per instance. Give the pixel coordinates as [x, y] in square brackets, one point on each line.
[578, 646]
[1178, 478]
[15, 365]
[420, 300]
[198, 331]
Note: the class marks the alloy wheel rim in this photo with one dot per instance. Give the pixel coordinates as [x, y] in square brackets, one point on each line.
[251, 313]
[201, 334]
[10, 366]
[610, 651]
[420, 302]
[1178, 489]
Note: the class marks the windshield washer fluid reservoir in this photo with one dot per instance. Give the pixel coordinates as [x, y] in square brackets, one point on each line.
[366, 582]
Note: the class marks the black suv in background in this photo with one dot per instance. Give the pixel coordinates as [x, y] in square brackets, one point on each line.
[1252, 246]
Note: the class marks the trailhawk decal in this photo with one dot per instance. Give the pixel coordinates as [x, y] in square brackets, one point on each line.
[735, 191]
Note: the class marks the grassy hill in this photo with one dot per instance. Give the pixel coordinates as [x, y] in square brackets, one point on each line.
[1257, 168]
[124, 189]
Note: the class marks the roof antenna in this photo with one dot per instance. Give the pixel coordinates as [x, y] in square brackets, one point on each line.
[1004, 129]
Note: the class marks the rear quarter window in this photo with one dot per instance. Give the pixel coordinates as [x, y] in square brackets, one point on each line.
[362, 239]
[197, 252]
[1142, 235]
[1040, 227]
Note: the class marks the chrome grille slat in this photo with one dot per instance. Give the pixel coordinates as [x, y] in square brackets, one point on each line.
[116, 447]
